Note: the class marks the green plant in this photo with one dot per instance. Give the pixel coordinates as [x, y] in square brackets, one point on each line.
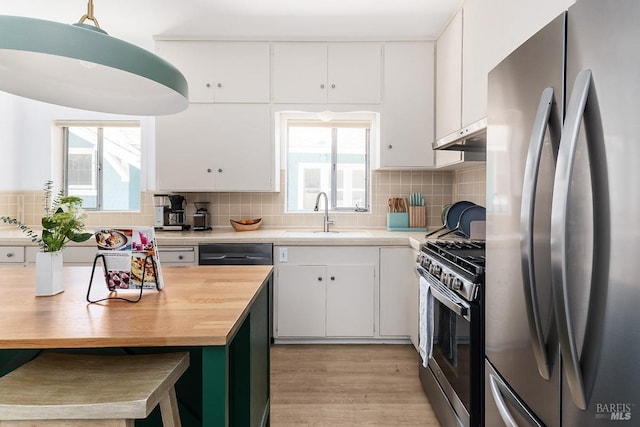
[63, 221]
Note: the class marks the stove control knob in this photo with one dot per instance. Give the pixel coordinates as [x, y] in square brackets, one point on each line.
[435, 270]
[456, 284]
[444, 278]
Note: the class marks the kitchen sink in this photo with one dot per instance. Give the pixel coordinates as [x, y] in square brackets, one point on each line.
[325, 234]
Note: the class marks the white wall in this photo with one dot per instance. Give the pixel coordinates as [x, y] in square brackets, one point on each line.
[26, 141]
[8, 149]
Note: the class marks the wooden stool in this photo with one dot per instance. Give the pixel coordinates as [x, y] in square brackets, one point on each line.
[69, 390]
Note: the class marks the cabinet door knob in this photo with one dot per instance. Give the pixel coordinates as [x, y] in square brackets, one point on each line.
[390, 146]
[208, 85]
[9, 255]
[322, 86]
[180, 256]
[333, 86]
[333, 278]
[319, 279]
[209, 170]
[219, 84]
[220, 170]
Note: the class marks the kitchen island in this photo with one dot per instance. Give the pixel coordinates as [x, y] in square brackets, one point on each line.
[218, 313]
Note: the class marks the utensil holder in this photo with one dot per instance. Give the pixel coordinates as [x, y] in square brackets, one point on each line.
[417, 217]
[397, 220]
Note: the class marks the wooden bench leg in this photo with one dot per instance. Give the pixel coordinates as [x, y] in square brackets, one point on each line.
[169, 409]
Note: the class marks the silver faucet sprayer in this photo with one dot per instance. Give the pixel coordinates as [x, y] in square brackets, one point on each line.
[327, 221]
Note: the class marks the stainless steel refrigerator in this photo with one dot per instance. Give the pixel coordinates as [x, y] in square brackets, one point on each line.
[563, 224]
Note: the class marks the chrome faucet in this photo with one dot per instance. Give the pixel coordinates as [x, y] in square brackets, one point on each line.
[326, 221]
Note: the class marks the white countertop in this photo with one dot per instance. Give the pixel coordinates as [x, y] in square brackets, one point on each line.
[277, 236]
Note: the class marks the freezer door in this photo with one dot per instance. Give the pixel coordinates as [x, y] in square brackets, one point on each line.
[520, 335]
[503, 407]
[599, 221]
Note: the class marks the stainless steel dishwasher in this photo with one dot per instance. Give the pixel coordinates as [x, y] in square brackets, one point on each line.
[235, 254]
[240, 254]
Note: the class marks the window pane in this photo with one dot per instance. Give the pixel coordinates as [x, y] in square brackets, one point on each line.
[351, 167]
[81, 165]
[121, 169]
[308, 166]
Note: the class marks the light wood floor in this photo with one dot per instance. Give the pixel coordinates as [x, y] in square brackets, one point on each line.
[347, 385]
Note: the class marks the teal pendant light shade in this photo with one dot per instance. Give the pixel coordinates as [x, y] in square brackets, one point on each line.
[81, 66]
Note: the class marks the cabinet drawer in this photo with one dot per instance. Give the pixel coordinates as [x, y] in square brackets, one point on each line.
[11, 254]
[177, 255]
[83, 255]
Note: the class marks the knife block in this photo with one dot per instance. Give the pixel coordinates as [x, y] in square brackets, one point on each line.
[417, 217]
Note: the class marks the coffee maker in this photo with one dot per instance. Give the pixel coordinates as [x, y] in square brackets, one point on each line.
[169, 212]
[161, 211]
[176, 213]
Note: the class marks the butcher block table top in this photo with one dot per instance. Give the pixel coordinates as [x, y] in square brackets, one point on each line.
[199, 306]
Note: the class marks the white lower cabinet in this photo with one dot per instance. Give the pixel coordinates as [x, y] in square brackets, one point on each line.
[302, 296]
[350, 294]
[325, 292]
[398, 292]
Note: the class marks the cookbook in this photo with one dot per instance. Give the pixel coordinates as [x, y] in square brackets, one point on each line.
[129, 254]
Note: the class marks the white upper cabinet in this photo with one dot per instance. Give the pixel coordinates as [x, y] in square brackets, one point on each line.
[477, 57]
[449, 78]
[492, 30]
[354, 72]
[221, 71]
[318, 73]
[216, 147]
[407, 112]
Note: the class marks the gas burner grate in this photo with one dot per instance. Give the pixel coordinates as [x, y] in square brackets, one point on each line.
[468, 255]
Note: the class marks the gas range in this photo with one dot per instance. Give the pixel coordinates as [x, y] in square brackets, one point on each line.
[458, 264]
[452, 272]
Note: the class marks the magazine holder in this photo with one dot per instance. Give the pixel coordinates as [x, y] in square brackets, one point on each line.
[129, 259]
[113, 290]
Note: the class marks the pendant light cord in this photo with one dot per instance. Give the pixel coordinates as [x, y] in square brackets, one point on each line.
[89, 15]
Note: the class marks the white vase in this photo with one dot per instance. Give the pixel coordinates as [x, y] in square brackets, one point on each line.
[49, 273]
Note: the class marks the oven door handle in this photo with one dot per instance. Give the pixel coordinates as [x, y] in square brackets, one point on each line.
[439, 292]
[544, 117]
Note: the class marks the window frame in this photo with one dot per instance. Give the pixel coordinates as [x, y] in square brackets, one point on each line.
[366, 120]
[99, 156]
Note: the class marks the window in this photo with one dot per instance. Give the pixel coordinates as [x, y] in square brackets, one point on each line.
[102, 165]
[330, 156]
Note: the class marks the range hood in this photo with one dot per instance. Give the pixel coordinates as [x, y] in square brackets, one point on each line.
[471, 138]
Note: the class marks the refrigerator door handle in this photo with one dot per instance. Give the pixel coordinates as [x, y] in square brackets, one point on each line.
[559, 208]
[527, 209]
[582, 105]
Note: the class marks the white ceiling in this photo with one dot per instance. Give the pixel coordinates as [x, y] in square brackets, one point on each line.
[138, 21]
